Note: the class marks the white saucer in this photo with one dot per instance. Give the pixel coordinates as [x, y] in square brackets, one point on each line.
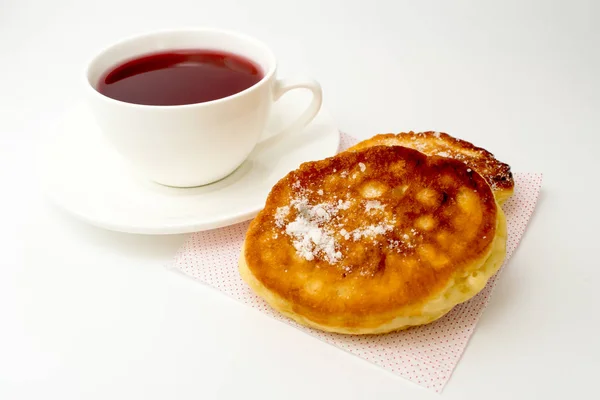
[86, 177]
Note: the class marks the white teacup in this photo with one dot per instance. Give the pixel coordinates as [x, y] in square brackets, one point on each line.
[194, 144]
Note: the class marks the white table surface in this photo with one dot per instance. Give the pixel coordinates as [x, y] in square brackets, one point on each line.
[90, 314]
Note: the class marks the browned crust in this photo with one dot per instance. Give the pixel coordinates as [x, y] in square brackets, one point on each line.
[372, 277]
[496, 173]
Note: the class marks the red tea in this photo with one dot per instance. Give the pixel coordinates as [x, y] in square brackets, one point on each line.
[179, 77]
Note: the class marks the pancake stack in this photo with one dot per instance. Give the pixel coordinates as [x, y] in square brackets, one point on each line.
[390, 234]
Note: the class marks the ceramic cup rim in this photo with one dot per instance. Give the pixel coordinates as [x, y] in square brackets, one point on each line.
[269, 67]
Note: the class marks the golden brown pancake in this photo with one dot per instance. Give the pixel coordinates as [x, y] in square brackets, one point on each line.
[496, 173]
[374, 241]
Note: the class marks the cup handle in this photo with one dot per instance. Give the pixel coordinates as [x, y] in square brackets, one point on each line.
[283, 86]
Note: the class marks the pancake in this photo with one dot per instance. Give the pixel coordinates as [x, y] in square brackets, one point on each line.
[374, 241]
[496, 173]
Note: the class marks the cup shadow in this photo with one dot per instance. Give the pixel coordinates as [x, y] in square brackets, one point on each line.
[239, 174]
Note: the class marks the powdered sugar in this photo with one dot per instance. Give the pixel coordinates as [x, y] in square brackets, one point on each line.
[371, 231]
[280, 214]
[311, 234]
[315, 228]
[309, 240]
[409, 240]
[404, 242]
[309, 237]
[419, 146]
[373, 205]
[343, 205]
[362, 167]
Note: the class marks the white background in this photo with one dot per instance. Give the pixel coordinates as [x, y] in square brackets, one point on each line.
[90, 314]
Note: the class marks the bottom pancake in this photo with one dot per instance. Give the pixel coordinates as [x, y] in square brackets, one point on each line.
[496, 173]
[459, 289]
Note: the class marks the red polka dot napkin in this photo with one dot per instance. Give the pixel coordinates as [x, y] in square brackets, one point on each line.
[426, 355]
